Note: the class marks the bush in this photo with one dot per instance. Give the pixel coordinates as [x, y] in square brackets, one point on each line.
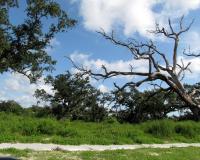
[187, 129]
[111, 120]
[64, 132]
[47, 127]
[28, 128]
[161, 128]
[40, 112]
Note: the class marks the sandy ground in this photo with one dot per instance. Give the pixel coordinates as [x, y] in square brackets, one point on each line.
[49, 147]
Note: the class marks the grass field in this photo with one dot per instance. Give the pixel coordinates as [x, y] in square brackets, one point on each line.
[140, 154]
[29, 129]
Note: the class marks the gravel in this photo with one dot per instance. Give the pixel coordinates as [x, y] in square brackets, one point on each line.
[50, 147]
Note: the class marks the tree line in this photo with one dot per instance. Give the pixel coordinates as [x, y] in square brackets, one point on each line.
[74, 98]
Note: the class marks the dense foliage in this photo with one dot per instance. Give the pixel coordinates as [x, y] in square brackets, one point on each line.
[11, 107]
[22, 46]
[135, 106]
[73, 97]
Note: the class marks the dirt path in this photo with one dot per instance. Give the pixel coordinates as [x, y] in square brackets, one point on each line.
[49, 147]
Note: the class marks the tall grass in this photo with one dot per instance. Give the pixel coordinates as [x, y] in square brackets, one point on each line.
[48, 130]
[160, 128]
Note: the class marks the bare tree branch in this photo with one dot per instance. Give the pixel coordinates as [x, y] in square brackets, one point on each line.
[159, 67]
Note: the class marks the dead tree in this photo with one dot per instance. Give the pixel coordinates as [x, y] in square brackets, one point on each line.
[160, 66]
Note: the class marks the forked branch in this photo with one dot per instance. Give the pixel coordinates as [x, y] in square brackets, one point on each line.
[159, 66]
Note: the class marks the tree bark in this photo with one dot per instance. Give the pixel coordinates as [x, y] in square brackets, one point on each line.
[193, 106]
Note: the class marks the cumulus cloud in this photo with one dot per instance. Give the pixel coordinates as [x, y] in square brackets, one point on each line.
[178, 8]
[138, 65]
[53, 44]
[132, 15]
[119, 65]
[191, 41]
[103, 88]
[17, 87]
[194, 67]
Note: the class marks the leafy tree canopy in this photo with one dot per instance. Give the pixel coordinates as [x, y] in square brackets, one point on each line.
[139, 106]
[73, 97]
[22, 46]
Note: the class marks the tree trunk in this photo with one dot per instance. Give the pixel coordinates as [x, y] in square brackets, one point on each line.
[196, 112]
[193, 106]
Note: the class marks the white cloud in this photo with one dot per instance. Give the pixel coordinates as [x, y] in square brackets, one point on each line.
[53, 44]
[120, 65]
[26, 100]
[13, 85]
[178, 8]
[194, 67]
[190, 43]
[191, 40]
[17, 87]
[103, 88]
[142, 66]
[132, 15]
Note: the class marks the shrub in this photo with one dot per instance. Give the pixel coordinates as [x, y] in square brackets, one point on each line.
[47, 127]
[64, 132]
[187, 129]
[28, 128]
[111, 120]
[39, 112]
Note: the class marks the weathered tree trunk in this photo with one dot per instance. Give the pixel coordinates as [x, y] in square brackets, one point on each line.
[196, 112]
[160, 66]
[193, 106]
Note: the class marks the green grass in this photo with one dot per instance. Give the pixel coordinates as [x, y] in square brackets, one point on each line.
[47, 130]
[139, 154]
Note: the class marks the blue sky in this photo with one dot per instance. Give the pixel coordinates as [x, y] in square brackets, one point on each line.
[129, 19]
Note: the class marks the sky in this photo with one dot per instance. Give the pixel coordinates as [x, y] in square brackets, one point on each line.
[128, 19]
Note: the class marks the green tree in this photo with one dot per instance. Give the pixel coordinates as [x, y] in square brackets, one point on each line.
[38, 111]
[11, 107]
[73, 97]
[148, 105]
[22, 46]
